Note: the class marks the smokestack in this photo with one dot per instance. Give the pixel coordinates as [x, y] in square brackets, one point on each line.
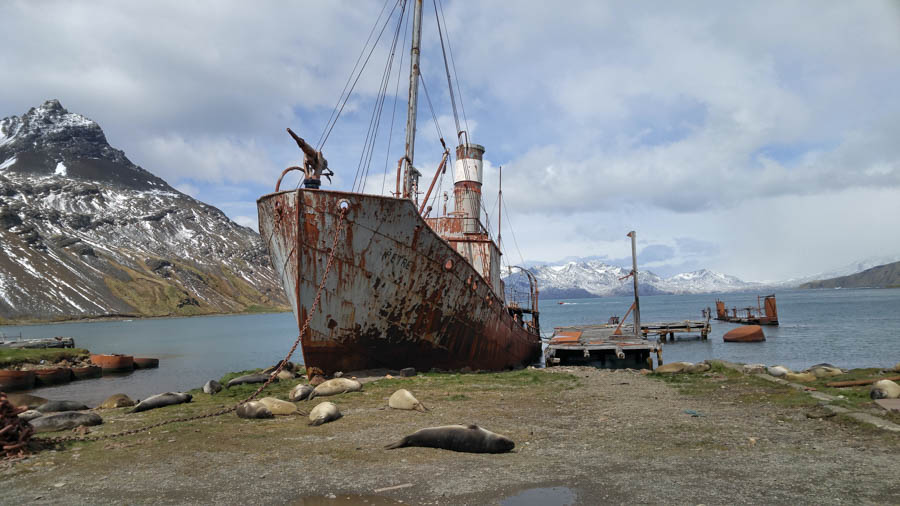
[467, 175]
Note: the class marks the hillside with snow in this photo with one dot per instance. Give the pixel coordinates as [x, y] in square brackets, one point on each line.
[84, 232]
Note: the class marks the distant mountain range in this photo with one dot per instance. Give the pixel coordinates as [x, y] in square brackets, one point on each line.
[883, 276]
[84, 232]
[594, 278]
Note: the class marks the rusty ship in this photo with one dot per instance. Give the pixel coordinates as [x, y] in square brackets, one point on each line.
[399, 287]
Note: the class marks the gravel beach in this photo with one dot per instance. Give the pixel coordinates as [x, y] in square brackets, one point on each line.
[583, 436]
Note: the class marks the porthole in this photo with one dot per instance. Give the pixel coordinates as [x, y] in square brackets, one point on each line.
[448, 265]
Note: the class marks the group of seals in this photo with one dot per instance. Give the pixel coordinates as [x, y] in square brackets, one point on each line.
[458, 438]
[161, 400]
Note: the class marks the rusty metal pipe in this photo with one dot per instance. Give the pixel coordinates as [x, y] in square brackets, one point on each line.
[399, 165]
[441, 168]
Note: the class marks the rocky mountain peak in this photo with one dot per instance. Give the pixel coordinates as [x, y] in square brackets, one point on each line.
[48, 140]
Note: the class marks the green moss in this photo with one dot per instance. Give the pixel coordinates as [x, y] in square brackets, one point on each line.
[10, 357]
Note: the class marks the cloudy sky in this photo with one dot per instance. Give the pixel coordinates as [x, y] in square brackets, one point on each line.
[759, 139]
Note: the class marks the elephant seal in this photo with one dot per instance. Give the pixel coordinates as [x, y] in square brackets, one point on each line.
[248, 378]
[63, 421]
[800, 377]
[56, 406]
[288, 366]
[278, 406]
[753, 368]
[673, 368]
[403, 399]
[26, 400]
[30, 415]
[300, 393]
[885, 389]
[335, 386]
[116, 401]
[778, 371]
[825, 371]
[698, 368]
[253, 409]
[324, 412]
[162, 400]
[212, 387]
[459, 438]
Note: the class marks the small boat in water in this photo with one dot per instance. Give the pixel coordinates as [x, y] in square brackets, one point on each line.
[748, 334]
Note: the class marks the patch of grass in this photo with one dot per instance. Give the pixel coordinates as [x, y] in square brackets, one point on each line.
[10, 357]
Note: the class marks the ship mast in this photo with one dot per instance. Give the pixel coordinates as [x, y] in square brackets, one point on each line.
[410, 173]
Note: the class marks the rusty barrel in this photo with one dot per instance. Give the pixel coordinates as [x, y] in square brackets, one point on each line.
[16, 380]
[114, 362]
[87, 372]
[748, 334]
[145, 363]
[52, 376]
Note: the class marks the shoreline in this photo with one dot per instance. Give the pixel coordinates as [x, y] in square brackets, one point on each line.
[95, 319]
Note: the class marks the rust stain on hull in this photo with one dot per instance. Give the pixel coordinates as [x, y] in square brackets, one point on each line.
[399, 295]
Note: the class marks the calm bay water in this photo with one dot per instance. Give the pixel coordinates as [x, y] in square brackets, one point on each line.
[848, 328]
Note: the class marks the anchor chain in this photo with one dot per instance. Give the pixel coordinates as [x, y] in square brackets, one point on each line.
[278, 369]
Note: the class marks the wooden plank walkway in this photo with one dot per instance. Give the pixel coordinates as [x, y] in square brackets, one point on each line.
[598, 345]
[664, 330]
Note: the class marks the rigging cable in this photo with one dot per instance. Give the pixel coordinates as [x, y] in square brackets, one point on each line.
[446, 67]
[453, 63]
[365, 159]
[330, 127]
[387, 151]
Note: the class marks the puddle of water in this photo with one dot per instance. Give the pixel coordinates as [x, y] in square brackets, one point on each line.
[548, 496]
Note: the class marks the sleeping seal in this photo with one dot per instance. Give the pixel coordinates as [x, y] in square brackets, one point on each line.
[403, 399]
[248, 378]
[212, 387]
[885, 389]
[116, 401]
[253, 409]
[778, 371]
[55, 406]
[459, 438]
[335, 386]
[162, 400]
[300, 392]
[324, 412]
[278, 406]
[30, 415]
[26, 400]
[63, 421]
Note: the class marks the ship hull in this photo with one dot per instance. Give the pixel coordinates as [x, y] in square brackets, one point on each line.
[397, 295]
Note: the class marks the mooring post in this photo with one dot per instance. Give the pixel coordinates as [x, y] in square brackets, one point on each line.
[634, 271]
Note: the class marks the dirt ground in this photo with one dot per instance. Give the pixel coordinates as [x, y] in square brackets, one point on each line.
[583, 436]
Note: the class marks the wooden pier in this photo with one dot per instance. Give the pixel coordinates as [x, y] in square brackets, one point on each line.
[49, 342]
[600, 346]
[664, 330]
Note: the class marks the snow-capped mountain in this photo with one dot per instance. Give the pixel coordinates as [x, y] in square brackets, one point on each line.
[594, 278]
[85, 232]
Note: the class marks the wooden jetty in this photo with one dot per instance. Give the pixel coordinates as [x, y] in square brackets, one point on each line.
[49, 342]
[664, 330]
[600, 346]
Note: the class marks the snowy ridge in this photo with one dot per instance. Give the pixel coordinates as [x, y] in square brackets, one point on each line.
[84, 232]
[599, 279]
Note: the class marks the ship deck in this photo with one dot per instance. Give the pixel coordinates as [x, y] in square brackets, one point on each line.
[599, 346]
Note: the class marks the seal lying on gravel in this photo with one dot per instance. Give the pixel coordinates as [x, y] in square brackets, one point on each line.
[885, 389]
[162, 400]
[55, 406]
[324, 412]
[778, 371]
[403, 399]
[253, 409]
[116, 401]
[248, 378]
[212, 387]
[300, 392]
[63, 421]
[459, 438]
[26, 400]
[335, 386]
